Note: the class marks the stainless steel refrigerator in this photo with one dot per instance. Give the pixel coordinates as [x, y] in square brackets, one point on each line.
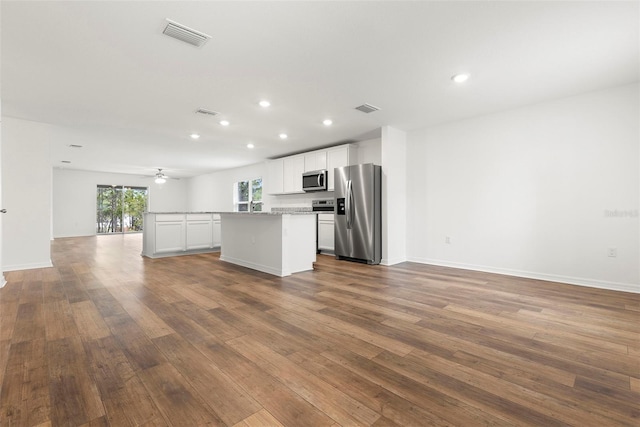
[358, 224]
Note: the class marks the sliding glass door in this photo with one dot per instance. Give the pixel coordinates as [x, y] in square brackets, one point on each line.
[120, 209]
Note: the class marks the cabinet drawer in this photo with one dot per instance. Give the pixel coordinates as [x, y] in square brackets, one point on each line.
[198, 217]
[324, 217]
[170, 218]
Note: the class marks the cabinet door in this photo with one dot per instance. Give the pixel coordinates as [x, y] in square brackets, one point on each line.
[336, 158]
[292, 171]
[325, 235]
[316, 160]
[169, 236]
[199, 234]
[275, 176]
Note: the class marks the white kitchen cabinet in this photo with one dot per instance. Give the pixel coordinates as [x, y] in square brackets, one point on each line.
[275, 176]
[325, 232]
[171, 234]
[284, 176]
[315, 160]
[217, 233]
[343, 155]
[293, 168]
[199, 231]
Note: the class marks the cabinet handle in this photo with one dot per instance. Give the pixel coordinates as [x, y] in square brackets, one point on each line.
[3, 211]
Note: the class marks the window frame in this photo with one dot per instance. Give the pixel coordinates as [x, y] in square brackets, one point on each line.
[236, 200]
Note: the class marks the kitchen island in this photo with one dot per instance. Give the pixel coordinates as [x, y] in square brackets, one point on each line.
[278, 243]
[272, 242]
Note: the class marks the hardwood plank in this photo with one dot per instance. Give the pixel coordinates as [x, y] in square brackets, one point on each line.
[24, 397]
[443, 409]
[89, 321]
[29, 324]
[8, 317]
[74, 396]
[176, 399]
[333, 337]
[330, 400]
[262, 418]
[196, 298]
[285, 405]
[228, 400]
[59, 321]
[149, 322]
[394, 409]
[138, 348]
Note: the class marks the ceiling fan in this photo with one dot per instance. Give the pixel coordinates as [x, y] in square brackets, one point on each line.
[161, 178]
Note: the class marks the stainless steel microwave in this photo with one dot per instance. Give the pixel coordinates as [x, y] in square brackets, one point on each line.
[314, 180]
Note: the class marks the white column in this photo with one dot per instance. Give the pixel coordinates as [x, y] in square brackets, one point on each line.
[394, 195]
[2, 279]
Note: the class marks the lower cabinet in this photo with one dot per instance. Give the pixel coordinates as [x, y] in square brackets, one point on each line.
[178, 234]
[169, 232]
[325, 232]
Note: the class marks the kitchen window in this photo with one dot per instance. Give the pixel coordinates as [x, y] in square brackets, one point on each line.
[248, 195]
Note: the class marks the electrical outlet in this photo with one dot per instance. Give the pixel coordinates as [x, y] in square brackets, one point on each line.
[612, 252]
[447, 240]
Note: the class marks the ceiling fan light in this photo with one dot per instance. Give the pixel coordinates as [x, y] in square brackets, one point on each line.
[160, 180]
[460, 78]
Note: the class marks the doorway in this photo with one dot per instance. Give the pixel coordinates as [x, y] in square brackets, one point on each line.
[120, 209]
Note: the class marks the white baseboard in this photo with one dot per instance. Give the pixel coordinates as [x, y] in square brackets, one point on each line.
[392, 261]
[254, 266]
[27, 266]
[580, 281]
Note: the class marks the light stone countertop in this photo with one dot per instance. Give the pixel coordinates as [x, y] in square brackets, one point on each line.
[292, 212]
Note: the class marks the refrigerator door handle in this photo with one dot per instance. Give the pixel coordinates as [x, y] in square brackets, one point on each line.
[348, 205]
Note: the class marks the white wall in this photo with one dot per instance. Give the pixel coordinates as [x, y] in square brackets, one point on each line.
[2, 279]
[74, 198]
[26, 194]
[525, 192]
[214, 192]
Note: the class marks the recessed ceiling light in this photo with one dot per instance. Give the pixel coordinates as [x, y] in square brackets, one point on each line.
[224, 122]
[327, 122]
[264, 103]
[250, 145]
[194, 136]
[283, 136]
[460, 78]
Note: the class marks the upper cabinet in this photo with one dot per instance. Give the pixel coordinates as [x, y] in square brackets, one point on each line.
[315, 160]
[275, 177]
[337, 157]
[293, 168]
[285, 175]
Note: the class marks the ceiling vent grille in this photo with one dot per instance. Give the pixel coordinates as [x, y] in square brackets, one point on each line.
[185, 34]
[206, 112]
[367, 108]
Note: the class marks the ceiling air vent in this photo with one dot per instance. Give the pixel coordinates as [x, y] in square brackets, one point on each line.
[367, 108]
[185, 34]
[206, 112]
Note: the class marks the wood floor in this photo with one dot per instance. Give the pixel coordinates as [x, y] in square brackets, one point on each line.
[108, 338]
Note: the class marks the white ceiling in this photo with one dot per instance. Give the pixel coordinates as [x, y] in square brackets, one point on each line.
[105, 72]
